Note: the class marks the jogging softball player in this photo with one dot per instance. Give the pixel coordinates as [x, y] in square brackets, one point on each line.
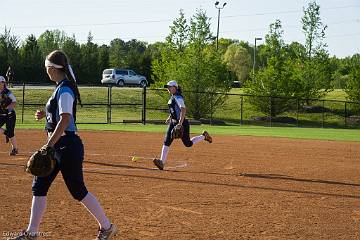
[8, 115]
[60, 113]
[177, 111]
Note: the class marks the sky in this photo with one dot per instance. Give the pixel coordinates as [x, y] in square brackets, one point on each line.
[149, 20]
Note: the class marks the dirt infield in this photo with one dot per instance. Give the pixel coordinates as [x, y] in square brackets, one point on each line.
[235, 188]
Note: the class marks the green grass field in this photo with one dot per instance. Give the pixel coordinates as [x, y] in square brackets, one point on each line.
[336, 94]
[95, 109]
[286, 132]
[230, 113]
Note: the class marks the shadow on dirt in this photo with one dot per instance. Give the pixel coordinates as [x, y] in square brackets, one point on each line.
[237, 185]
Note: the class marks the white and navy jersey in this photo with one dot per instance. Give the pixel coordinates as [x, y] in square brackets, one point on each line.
[6, 93]
[176, 102]
[62, 101]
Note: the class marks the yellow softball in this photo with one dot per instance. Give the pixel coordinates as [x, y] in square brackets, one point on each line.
[134, 158]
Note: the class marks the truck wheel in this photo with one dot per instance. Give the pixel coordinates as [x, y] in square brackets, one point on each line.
[120, 83]
[143, 84]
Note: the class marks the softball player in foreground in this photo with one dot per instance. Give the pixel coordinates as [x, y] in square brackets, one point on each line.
[60, 113]
[8, 115]
[177, 119]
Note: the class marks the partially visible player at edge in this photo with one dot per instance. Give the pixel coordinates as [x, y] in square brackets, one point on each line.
[60, 113]
[177, 111]
[8, 115]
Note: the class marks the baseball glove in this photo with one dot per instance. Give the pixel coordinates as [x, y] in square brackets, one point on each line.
[177, 131]
[4, 102]
[42, 162]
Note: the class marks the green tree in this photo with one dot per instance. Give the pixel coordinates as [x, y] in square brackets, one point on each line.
[313, 29]
[353, 86]
[275, 79]
[293, 70]
[117, 53]
[135, 56]
[51, 40]
[165, 66]
[103, 58]
[342, 70]
[32, 61]
[72, 49]
[317, 70]
[203, 74]
[9, 54]
[179, 33]
[89, 72]
[238, 61]
[195, 64]
[296, 50]
[154, 52]
[224, 43]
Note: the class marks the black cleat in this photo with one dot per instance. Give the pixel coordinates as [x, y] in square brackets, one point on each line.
[14, 152]
[158, 163]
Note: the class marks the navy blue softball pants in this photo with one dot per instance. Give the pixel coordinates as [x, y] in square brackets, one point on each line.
[186, 135]
[9, 120]
[69, 155]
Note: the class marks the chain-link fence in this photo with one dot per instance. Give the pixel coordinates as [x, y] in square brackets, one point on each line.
[106, 104]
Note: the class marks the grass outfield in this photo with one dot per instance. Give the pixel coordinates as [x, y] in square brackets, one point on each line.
[287, 132]
[229, 113]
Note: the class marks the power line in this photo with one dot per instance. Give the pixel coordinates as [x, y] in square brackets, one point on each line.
[163, 36]
[94, 24]
[235, 31]
[290, 26]
[286, 12]
[344, 35]
[169, 20]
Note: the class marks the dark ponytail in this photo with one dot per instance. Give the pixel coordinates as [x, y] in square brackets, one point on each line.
[58, 57]
[73, 83]
[179, 90]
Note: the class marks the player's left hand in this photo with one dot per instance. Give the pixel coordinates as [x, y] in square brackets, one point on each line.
[177, 131]
[42, 162]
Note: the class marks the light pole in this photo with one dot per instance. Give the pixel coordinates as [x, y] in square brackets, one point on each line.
[218, 25]
[257, 38]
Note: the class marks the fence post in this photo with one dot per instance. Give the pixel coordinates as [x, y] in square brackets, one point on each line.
[297, 112]
[241, 109]
[323, 114]
[211, 107]
[109, 105]
[270, 98]
[345, 114]
[143, 116]
[23, 103]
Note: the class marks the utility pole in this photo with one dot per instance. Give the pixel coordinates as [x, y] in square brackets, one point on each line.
[218, 25]
[257, 38]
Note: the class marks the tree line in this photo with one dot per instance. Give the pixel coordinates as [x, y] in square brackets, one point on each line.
[189, 55]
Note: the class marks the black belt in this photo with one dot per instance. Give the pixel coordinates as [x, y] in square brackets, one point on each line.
[66, 133]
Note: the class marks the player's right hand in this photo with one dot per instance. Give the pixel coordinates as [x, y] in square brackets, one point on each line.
[39, 114]
[167, 121]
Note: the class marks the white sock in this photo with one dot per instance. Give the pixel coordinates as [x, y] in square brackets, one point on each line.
[13, 142]
[164, 153]
[37, 211]
[197, 139]
[93, 206]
